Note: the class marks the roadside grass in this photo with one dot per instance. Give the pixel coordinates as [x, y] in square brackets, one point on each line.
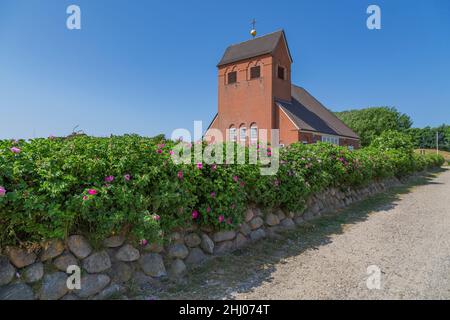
[246, 268]
[445, 154]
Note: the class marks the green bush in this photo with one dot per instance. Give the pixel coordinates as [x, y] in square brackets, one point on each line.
[53, 187]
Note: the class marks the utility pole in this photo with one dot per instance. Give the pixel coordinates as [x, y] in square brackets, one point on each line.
[437, 142]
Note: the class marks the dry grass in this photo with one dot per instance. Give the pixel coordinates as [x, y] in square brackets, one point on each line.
[445, 154]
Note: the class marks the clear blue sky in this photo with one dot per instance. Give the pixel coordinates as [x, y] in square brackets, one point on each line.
[149, 67]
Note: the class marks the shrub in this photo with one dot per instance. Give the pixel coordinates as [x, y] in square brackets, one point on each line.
[53, 187]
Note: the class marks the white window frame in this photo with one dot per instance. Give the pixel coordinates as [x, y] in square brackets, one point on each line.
[242, 134]
[232, 134]
[331, 139]
[254, 133]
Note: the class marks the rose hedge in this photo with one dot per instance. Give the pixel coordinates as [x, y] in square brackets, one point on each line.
[53, 187]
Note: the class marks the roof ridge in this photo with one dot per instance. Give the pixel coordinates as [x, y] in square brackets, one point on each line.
[267, 34]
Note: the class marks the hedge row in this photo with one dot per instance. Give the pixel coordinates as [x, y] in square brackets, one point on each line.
[53, 187]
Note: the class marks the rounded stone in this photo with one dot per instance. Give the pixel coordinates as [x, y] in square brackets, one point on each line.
[178, 251]
[120, 272]
[280, 214]
[249, 215]
[240, 240]
[176, 237]
[299, 220]
[20, 257]
[33, 272]
[245, 229]
[177, 268]
[288, 223]
[79, 246]
[153, 265]
[207, 244]
[54, 286]
[7, 271]
[272, 220]
[97, 262]
[257, 234]
[64, 261]
[92, 284]
[192, 240]
[256, 223]
[127, 253]
[109, 292]
[196, 256]
[224, 236]
[16, 291]
[52, 249]
[223, 247]
[154, 247]
[114, 241]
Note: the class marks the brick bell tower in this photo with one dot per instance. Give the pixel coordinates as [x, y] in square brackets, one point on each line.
[251, 76]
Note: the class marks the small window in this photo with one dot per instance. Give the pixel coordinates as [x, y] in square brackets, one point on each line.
[351, 148]
[232, 77]
[331, 139]
[255, 72]
[281, 73]
[232, 134]
[242, 134]
[253, 134]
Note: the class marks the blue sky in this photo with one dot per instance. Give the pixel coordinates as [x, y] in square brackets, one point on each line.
[149, 67]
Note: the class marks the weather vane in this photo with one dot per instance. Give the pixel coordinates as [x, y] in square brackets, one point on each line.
[253, 31]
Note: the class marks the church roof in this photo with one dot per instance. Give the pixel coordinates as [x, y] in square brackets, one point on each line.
[309, 114]
[252, 48]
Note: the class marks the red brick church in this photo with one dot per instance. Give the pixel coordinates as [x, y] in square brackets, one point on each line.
[255, 92]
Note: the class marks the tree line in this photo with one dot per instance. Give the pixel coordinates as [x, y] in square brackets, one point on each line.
[369, 123]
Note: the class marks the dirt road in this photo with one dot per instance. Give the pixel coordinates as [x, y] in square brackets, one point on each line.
[404, 234]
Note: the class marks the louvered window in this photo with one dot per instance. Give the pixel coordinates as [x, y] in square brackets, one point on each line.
[255, 72]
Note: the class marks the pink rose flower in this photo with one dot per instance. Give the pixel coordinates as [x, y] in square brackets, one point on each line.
[127, 177]
[171, 152]
[214, 167]
[200, 165]
[208, 209]
[180, 174]
[156, 217]
[194, 214]
[85, 198]
[109, 179]
[159, 151]
[15, 150]
[236, 178]
[2, 191]
[143, 242]
[213, 194]
[221, 218]
[92, 192]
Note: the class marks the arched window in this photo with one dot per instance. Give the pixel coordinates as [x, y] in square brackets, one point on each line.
[242, 133]
[232, 134]
[231, 75]
[253, 133]
[254, 70]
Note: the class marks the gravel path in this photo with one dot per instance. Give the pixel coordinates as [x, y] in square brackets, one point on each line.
[405, 232]
[408, 239]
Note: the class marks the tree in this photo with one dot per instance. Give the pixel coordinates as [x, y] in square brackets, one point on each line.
[426, 137]
[369, 123]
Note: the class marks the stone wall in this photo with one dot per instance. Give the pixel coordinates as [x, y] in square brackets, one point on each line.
[108, 271]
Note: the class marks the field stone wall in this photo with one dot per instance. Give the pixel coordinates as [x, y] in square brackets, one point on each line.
[107, 272]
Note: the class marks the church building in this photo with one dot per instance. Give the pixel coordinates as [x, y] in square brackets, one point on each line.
[256, 92]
